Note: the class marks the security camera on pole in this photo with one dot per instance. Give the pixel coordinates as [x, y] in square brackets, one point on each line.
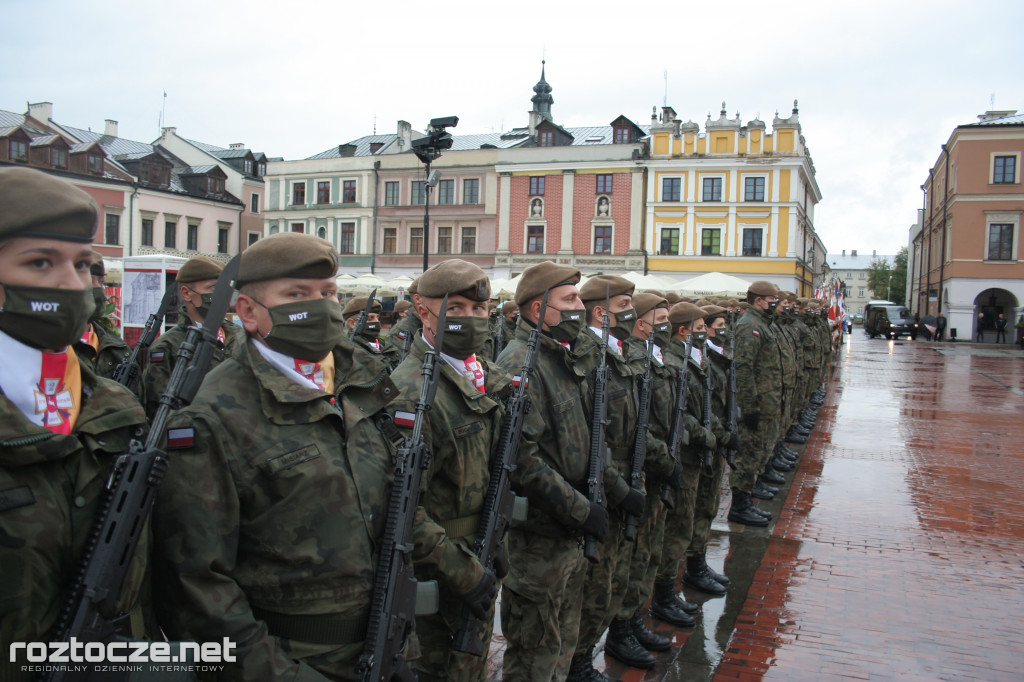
[427, 149]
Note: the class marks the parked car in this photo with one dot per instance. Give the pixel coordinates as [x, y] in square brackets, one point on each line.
[888, 319]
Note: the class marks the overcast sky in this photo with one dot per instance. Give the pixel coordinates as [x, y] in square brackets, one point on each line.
[881, 85]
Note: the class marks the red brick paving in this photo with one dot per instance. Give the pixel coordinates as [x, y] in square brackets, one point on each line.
[897, 553]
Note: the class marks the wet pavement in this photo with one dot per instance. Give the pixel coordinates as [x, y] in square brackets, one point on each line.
[898, 547]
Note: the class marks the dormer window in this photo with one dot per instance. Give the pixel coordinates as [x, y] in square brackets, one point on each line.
[95, 164]
[261, 169]
[215, 185]
[546, 138]
[248, 166]
[19, 151]
[58, 157]
[621, 135]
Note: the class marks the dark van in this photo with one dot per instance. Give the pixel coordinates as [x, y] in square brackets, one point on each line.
[888, 319]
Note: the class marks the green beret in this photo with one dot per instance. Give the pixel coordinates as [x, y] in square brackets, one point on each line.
[685, 313]
[599, 287]
[685, 299]
[357, 304]
[538, 278]
[714, 311]
[672, 297]
[455, 276]
[402, 305]
[508, 307]
[645, 303]
[803, 300]
[97, 268]
[790, 296]
[702, 302]
[654, 291]
[414, 286]
[762, 288]
[198, 269]
[39, 205]
[288, 254]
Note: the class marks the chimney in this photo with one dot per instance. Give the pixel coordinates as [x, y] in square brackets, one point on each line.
[236, 145]
[110, 128]
[41, 111]
[404, 135]
[874, 252]
[345, 150]
[169, 130]
[844, 252]
[853, 253]
[375, 147]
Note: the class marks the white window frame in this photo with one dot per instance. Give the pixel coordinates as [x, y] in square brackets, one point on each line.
[992, 168]
[767, 193]
[711, 176]
[316, 188]
[1002, 218]
[593, 237]
[254, 196]
[682, 189]
[291, 192]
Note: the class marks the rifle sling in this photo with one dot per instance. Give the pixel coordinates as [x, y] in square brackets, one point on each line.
[327, 628]
[461, 527]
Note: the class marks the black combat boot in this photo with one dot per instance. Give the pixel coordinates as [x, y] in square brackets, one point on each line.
[794, 436]
[762, 491]
[807, 424]
[742, 511]
[621, 645]
[720, 577]
[651, 641]
[667, 606]
[763, 512]
[787, 452]
[770, 475]
[780, 464]
[582, 669]
[699, 578]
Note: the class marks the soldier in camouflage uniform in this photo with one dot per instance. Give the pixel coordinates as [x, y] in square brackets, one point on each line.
[652, 327]
[371, 348]
[195, 280]
[758, 359]
[608, 580]
[698, 574]
[280, 473]
[61, 425]
[401, 334]
[462, 432]
[100, 346]
[541, 598]
[687, 320]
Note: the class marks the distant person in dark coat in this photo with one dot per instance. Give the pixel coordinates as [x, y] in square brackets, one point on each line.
[1001, 328]
[1020, 330]
[940, 327]
[979, 331]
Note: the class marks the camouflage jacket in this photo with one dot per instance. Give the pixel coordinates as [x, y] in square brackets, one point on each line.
[395, 340]
[461, 431]
[50, 485]
[366, 353]
[786, 332]
[689, 452]
[719, 393]
[554, 450]
[111, 352]
[659, 421]
[163, 353]
[758, 359]
[808, 346]
[274, 502]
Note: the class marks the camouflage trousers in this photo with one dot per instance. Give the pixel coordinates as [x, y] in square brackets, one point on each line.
[540, 605]
[606, 583]
[438, 660]
[646, 551]
[709, 493]
[756, 447]
[679, 524]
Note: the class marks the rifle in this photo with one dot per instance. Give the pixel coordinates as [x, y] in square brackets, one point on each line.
[678, 436]
[393, 604]
[407, 341]
[730, 399]
[89, 613]
[640, 441]
[364, 315]
[127, 372]
[499, 338]
[499, 502]
[709, 454]
[598, 448]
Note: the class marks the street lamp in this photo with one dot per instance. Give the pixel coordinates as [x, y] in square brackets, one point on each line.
[427, 149]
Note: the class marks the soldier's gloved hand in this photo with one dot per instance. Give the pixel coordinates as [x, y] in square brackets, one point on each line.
[596, 524]
[752, 419]
[734, 441]
[480, 598]
[633, 502]
[501, 562]
[676, 479]
[708, 438]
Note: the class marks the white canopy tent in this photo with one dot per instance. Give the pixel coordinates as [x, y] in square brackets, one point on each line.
[713, 284]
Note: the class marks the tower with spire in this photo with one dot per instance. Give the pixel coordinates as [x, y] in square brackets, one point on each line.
[542, 100]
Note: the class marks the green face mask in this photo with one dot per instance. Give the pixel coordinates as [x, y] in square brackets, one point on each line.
[773, 306]
[698, 338]
[305, 330]
[45, 318]
[99, 299]
[204, 305]
[465, 336]
[569, 327]
[663, 334]
[625, 320]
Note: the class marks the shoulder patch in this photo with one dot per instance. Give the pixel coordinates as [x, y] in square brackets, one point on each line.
[401, 335]
[755, 332]
[156, 356]
[181, 438]
[405, 419]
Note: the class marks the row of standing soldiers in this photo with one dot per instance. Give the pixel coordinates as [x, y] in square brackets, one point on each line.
[266, 530]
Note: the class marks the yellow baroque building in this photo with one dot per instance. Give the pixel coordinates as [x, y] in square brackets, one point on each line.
[733, 199]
